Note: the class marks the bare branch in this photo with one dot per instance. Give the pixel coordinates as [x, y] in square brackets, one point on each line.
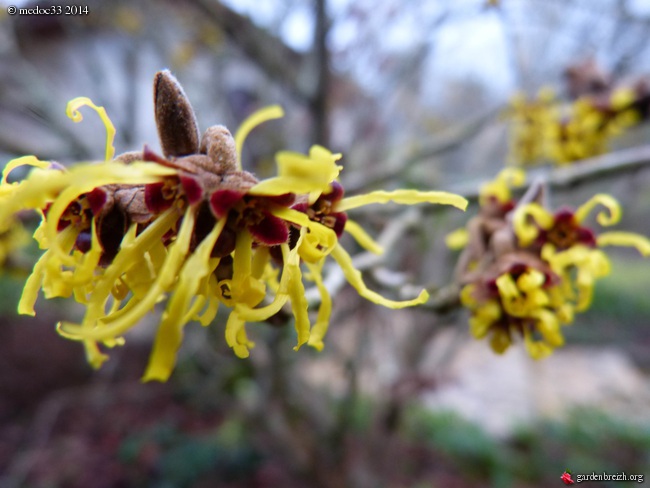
[447, 141]
[627, 160]
[277, 59]
[319, 98]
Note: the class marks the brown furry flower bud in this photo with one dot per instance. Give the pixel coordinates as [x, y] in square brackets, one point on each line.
[175, 119]
[219, 145]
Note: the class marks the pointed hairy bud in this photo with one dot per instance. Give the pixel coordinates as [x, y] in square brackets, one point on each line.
[217, 142]
[177, 127]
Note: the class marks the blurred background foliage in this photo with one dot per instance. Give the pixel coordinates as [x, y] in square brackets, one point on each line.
[414, 94]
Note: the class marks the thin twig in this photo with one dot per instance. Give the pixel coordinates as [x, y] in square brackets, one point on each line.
[318, 104]
[627, 160]
[278, 60]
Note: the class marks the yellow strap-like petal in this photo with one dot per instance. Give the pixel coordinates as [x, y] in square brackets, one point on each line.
[257, 118]
[549, 327]
[530, 280]
[362, 237]
[168, 274]
[210, 312]
[353, 276]
[613, 207]
[93, 355]
[299, 305]
[245, 288]
[403, 197]
[628, 239]
[131, 254]
[35, 281]
[319, 329]
[536, 349]
[298, 173]
[526, 231]
[500, 340]
[507, 287]
[72, 111]
[236, 336]
[467, 296]
[84, 272]
[499, 188]
[320, 240]
[170, 332]
[23, 161]
[260, 260]
[290, 258]
[242, 258]
[62, 188]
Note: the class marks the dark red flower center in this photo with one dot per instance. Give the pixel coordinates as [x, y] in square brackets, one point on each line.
[566, 232]
[322, 210]
[254, 213]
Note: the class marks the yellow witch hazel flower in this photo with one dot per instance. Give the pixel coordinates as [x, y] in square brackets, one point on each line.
[543, 129]
[519, 301]
[535, 269]
[193, 229]
[530, 121]
[567, 245]
[12, 237]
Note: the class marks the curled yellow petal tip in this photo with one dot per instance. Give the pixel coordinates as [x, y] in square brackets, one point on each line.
[527, 231]
[353, 277]
[257, 118]
[604, 219]
[22, 161]
[72, 111]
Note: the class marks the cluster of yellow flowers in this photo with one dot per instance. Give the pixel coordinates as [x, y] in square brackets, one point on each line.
[526, 271]
[545, 130]
[13, 236]
[193, 228]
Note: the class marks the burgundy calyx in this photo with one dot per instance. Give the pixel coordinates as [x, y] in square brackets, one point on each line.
[221, 201]
[192, 189]
[586, 237]
[96, 199]
[154, 198]
[565, 215]
[339, 223]
[270, 231]
[301, 207]
[151, 156]
[517, 269]
[336, 192]
[508, 206]
[284, 200]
